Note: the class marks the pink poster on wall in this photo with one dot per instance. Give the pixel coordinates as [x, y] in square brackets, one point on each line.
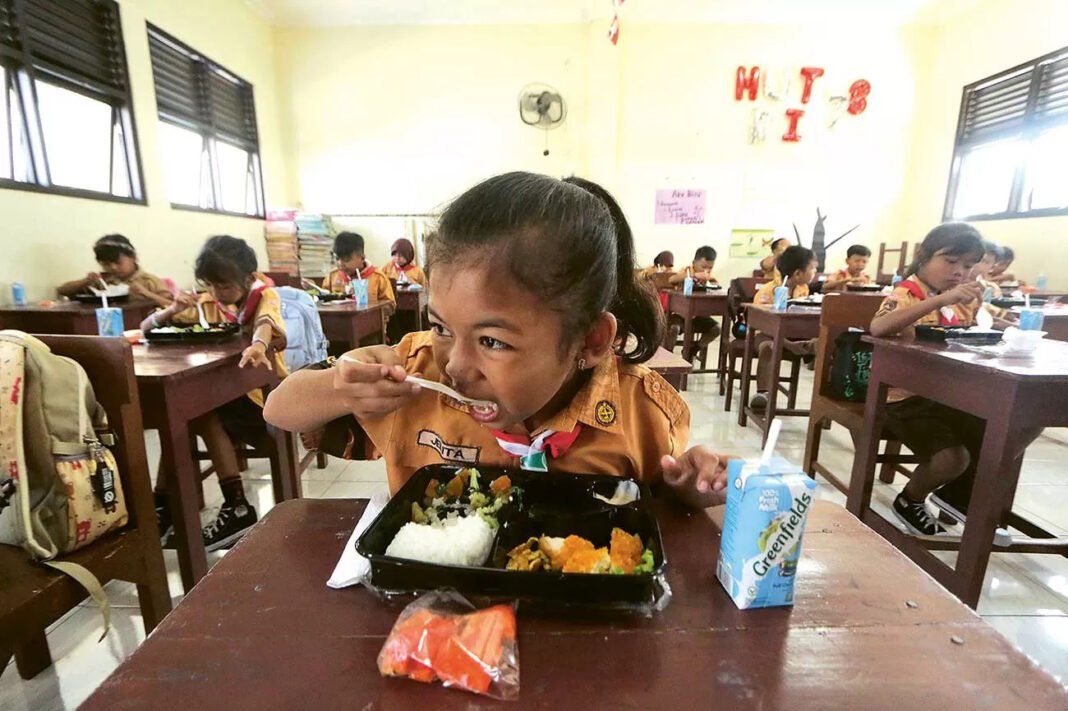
[680, 207]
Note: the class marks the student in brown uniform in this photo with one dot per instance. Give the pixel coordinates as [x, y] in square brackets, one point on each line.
[118, 264]
[236, 294]
[769, 263]
[402, 261]
[352, 264]
[940, 290]
[545, 345]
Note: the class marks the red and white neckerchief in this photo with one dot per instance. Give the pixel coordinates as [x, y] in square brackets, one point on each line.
[367, 271]
[946, 315]
[531, 451]
[248, 311]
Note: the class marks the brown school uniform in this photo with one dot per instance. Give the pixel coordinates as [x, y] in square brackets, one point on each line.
[629, 417]
[415, 274]
[843, 274]
[765, 296]
[150, 282]
[378, 287]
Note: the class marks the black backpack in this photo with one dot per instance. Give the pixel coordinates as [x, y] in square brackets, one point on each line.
[850, 367]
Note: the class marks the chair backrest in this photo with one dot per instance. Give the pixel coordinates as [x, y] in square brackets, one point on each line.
[902, 255]
[742, 290]
[840, 312]
[758, 274]
[109, 364]
[283, 278]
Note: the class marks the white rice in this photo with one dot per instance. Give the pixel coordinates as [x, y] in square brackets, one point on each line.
[457, 541]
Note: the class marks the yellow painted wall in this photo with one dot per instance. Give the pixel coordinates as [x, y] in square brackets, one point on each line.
[47, 239]
[992, 36]
[401, 119]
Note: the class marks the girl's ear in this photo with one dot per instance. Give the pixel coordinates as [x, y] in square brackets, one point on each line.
[599, 341]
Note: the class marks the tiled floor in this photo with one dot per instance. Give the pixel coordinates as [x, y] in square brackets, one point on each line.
[1025, 596]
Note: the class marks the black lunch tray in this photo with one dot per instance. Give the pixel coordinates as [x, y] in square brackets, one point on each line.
[229, 330]
[553, 504]
[1009, 302]
[94, 299]
[707, 287]
[327, 298]
[863, 287]
[940, 334]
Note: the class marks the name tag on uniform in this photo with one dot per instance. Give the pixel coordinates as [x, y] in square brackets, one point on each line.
[449, 452]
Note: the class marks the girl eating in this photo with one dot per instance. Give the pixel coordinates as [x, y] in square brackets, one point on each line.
[402, 267]
[555, 349]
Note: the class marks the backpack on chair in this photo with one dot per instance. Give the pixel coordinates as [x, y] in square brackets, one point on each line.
[59, 484]
[305, 341]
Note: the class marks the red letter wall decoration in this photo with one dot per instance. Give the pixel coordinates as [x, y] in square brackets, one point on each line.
[743, 83]
[811, 74]
[793, 116]
[858, 96]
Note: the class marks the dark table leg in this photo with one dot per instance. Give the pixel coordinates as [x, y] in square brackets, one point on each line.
[863, 476]
[747, 367]
[764, 420]
[182, 482]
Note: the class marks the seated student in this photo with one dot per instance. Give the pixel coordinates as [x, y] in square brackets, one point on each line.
[769, 264]
[799, 264]
[857, 257]
[1005, 259]
[351, 263]
[236, 293]
[401, 267]
[938, 291]
[707, 329]
[663, 263]
[118, 261]
[543, 345]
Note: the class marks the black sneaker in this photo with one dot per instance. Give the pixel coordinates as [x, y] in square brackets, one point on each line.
[916, 517]
[229, 526]
[953, 497]
[759, 402]
[163, 517]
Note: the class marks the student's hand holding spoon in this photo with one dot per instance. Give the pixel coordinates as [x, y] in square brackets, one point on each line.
[371, 381]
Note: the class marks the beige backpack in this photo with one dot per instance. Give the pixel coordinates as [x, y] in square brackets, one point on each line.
[59, 481]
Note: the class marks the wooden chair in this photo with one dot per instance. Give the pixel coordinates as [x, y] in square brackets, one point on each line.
[33, 596]
[742, 291]
[883, 277]
[840, 313]
[284, 279]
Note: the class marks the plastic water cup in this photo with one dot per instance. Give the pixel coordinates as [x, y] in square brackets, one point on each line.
[1031, 319]
[687, 286]
[18, 293]
[109, 322]
[782, 296]
[361, 292]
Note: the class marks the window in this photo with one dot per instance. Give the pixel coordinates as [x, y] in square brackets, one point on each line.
[208, 139]
[66, 124]
[1011, 154]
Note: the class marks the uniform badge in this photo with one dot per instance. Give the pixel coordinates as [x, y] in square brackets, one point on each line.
[606, 413]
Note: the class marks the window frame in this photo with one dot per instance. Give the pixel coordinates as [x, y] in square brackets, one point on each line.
[208, 66]
[1030, 129]
[22, 77]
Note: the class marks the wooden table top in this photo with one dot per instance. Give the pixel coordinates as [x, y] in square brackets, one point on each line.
[716, 294]
[665, 361]
[160, 361]
[1049, 362]
[77, 307]
[869, 630]
[348, 306]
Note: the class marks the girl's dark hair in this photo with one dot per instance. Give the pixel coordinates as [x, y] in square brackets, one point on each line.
[794, 258]
[225, 260]
[705, 252]
[775, 242]
[954, 239]
[992, 248]
[347, 244]
[1007, 255]
[514, 223]
[664, 259]
[109, 248]
[858, 249]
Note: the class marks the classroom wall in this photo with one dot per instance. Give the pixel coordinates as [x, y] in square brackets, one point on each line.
[992, 36]
[48, 238]
[374, 127]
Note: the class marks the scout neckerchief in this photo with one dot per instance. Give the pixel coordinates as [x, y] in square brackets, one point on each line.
[248, 311]
[367, 271]
[531, 452]
[946, 315]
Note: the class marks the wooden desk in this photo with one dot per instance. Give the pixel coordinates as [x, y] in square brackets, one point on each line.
[673, 367]
[178, 383]
[1055, 324]
[779, 326]
[71, 317]
[347, 327]
[1013, 396]
[869, 631]
[413, 302]
[706, 304]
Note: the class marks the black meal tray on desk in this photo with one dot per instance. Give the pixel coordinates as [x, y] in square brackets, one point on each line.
[864, 287]
[328, 298]
[552, 504]
[707, 287]
[216, 334]
[1011, 302]
[941, 334]
[95, 299]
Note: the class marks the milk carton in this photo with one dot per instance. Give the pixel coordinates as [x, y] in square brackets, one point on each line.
[767, 507]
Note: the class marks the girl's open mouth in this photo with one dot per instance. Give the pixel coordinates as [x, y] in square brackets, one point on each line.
[484, 411]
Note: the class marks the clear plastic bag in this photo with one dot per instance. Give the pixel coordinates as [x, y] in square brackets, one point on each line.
[443, 637]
